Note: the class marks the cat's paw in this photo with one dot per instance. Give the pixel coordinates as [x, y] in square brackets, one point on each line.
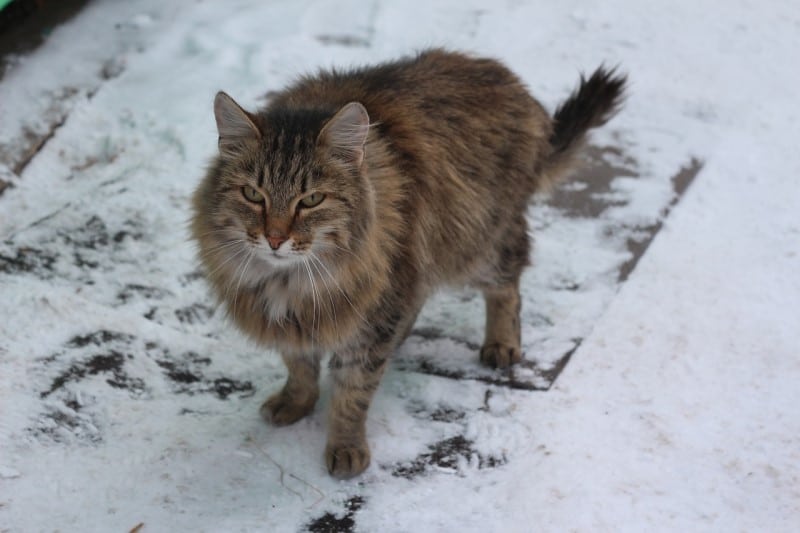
[347, 461]
[281, 409]
[499, 355]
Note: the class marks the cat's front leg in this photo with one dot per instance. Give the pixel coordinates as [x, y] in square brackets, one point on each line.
[355, 379]
[299, 393]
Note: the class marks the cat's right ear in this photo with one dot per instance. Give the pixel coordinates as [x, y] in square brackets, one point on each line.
[234, 124]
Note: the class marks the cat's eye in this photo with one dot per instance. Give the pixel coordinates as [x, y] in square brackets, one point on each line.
[312, 200]
[252, 195]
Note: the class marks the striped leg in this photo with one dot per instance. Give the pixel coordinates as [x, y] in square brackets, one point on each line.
[299, 394]
[501, 346]
[355, 380]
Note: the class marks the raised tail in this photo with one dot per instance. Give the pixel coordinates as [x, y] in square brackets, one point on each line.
[592, 104]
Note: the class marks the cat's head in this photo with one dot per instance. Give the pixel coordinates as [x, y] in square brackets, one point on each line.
[288, 188]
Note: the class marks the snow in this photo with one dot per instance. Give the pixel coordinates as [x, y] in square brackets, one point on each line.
[701, 432]
[126, 399]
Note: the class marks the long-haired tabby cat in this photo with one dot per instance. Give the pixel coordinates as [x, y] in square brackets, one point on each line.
[328, 217]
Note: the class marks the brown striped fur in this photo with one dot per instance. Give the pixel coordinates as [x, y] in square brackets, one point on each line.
[426, 165]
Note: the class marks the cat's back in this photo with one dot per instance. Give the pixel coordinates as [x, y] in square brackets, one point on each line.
[435, 90]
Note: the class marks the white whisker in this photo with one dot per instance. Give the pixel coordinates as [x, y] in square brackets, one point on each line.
[339, 287]
[332, 312]
[366, 270]
[243, 268]
[313, 301]
[228, 260]
[222, 246]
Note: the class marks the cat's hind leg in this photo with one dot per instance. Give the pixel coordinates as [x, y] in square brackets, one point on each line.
[299, 394]
[502, 345]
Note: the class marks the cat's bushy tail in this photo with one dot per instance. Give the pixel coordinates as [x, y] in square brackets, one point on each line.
[592, 104]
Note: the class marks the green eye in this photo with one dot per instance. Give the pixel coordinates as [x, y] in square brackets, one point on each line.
[312, 200]
[252, 195]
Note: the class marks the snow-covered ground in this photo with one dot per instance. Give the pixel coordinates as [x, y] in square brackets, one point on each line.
[126, 399]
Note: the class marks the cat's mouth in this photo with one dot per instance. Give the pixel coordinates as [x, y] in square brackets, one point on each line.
[284, 256]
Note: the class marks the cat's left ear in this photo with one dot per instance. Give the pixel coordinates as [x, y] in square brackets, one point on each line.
[346, 133]
[233, 123]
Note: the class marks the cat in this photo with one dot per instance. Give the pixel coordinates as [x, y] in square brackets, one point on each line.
[329, 216]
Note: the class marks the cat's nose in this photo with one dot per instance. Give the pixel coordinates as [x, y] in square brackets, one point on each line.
[275, 240]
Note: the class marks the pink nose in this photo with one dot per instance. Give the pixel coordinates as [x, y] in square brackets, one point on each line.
[275, 241]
